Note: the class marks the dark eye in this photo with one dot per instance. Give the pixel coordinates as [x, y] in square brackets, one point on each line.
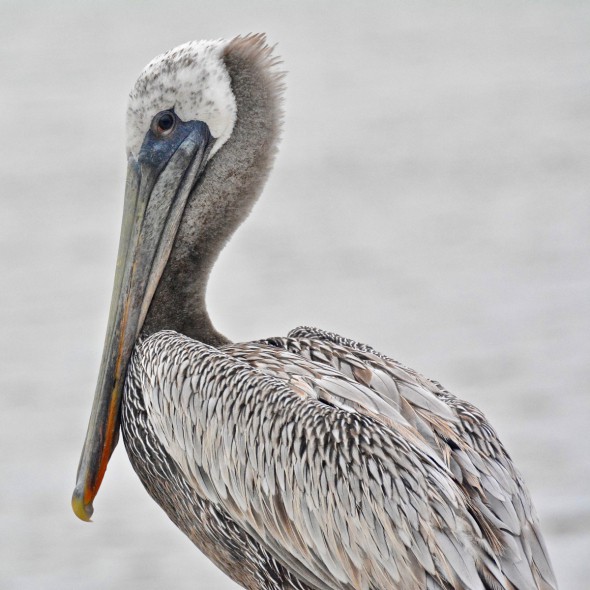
[164, 123]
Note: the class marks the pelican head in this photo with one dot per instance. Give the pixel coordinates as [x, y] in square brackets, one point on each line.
[202, 124]
[191, 82]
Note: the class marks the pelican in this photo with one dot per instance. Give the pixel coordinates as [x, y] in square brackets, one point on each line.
[305, 462]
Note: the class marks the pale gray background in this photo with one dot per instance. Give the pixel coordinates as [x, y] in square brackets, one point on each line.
[431, 198]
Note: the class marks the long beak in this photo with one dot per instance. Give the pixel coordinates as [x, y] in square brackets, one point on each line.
[158, 186]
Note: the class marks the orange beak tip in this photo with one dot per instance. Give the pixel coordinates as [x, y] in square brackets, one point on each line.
[81, 509]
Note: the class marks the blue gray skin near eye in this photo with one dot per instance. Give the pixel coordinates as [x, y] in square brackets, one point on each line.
[157, 150]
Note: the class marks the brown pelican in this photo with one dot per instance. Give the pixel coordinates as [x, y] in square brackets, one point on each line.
[302, 462]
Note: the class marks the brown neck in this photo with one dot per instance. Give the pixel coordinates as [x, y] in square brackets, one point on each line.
[224, 196]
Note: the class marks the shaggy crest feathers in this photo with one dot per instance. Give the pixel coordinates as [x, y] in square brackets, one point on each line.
[252, 54]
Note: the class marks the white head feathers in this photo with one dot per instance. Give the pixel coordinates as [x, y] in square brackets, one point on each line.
[192, 79]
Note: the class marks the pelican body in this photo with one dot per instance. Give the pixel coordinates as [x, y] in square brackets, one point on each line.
[305, 462]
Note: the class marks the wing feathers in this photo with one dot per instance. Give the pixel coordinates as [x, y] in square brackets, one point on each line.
[352, 470]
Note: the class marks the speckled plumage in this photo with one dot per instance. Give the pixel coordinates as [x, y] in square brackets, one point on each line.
[308, 462]
[191, 79]
[343, 465]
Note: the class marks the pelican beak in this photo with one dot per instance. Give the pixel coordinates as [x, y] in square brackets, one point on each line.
[158, 185]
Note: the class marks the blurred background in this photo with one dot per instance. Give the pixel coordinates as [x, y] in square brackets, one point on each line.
[431, 198]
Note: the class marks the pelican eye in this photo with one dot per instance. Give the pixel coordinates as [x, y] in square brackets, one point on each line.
[164, 123]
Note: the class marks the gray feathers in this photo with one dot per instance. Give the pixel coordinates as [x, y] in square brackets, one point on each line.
[349, 483]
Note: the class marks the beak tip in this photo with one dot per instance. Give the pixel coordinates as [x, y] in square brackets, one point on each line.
[81, 509]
